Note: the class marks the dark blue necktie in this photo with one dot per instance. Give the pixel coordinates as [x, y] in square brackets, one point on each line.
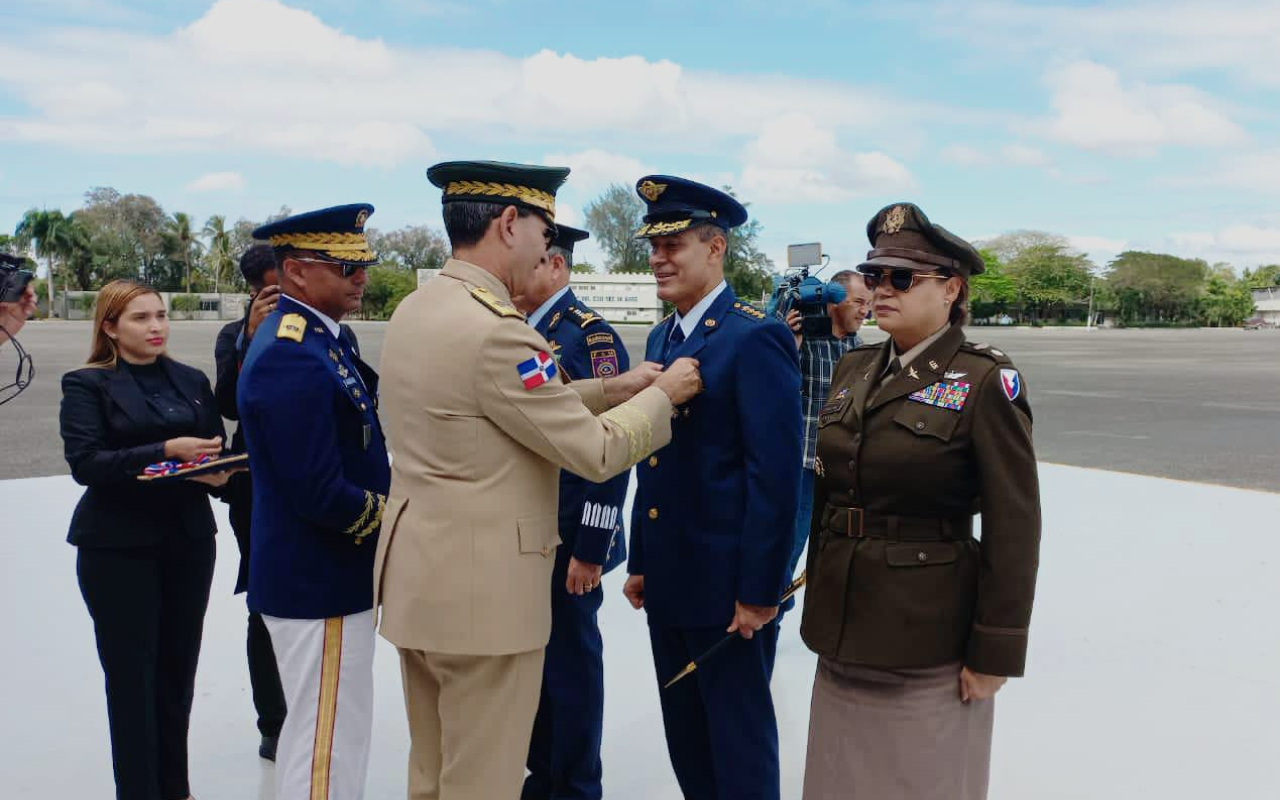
[673, 341]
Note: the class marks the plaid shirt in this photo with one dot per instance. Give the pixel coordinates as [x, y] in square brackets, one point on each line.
[818, 357]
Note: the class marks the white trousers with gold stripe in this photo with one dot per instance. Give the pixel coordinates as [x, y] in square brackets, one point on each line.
[326, 669]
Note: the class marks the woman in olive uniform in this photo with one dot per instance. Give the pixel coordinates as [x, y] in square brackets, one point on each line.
[916, 623]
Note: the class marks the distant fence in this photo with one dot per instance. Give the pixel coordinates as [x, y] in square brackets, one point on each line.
[200, 305]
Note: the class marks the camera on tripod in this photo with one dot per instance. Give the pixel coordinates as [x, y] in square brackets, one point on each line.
[796, 290]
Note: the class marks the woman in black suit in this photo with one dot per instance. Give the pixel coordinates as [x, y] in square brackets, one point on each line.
[146, 551]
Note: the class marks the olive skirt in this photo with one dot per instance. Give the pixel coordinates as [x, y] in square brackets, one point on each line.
[903, 734]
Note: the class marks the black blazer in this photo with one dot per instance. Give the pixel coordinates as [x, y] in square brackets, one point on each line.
[110, 435]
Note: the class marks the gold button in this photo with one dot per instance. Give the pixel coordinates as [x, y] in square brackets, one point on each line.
[653, 461]
[653, 513]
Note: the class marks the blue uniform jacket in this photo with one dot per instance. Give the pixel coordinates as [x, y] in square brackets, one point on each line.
[585, 346]
[319, 464]
[715, 509]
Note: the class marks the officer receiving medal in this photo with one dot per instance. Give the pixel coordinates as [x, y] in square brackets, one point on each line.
[714, 510]
[309, 411]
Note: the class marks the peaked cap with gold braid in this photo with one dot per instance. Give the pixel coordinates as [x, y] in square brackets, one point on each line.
[678, 204]
[336, 233]
[499, 182]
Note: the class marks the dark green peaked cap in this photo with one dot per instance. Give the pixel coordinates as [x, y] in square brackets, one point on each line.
[500, 182]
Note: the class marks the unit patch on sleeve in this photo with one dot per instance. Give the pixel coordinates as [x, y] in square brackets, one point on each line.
[604, 363]
[599, 338]
[537, 370]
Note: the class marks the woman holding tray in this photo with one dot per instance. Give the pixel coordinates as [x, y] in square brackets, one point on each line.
[146, 549]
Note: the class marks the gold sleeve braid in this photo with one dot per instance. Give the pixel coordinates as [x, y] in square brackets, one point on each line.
[637, 426]
[364, 516]
[376, 521]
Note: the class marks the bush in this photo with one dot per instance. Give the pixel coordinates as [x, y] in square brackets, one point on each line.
[185, 302]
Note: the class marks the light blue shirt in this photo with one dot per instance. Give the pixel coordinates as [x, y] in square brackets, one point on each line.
[537, 316]
[689, 322]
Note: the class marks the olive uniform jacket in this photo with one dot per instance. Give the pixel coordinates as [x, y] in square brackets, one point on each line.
[480, 423]
[896, 579]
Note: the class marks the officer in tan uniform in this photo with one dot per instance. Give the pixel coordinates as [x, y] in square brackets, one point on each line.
[917, 624]
[480, 422]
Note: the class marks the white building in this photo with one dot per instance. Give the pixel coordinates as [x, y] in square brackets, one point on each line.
[617, 296]
[1267, 301]
[620, 296]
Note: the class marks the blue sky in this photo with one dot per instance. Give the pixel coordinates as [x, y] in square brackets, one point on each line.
[1118, 125]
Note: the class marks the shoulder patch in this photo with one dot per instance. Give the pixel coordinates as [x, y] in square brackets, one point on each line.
[292, 326]
[494, 303]
[603, 337]
[749, 311]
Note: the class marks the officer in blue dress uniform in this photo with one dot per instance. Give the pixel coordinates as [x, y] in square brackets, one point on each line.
[714, 509]
[564, 753]
[308, 408]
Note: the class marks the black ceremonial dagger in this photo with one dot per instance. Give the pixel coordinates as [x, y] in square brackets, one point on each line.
[693, 665]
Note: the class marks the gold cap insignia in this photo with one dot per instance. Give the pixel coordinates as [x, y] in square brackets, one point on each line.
[894, 220]
[361, 217]
[651, 191]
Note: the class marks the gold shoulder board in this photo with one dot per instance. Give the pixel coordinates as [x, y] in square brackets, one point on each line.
[494, 303]
[292, 326]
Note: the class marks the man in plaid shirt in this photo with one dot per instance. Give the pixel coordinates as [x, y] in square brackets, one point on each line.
[818, 357]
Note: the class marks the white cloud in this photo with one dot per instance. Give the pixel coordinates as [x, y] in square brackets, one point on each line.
[1099, 249]
[1153, 37]
[794, 160]
[217, 182]
[963, 155]
[1094, 110]
[1024, 156]
[1257, 171]
[594, 170]
[229, 82]
[1245, 245]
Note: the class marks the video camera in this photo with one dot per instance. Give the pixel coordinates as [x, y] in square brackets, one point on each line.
[796, 290]
[13, 279]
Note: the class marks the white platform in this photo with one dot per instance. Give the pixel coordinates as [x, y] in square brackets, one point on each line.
[1154, 667]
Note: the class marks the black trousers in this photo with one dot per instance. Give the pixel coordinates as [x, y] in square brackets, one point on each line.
[148, 606]
[264, 675]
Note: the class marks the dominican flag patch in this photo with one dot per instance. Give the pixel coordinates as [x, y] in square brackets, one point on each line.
[1011, 381]
[537, 370]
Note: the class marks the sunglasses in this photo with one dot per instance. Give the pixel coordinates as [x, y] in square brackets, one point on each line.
[347, 270]
[902, 280]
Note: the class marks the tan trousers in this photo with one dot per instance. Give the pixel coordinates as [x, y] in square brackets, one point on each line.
[470, 720]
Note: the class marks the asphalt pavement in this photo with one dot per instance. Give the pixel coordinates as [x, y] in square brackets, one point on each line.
[1195, 405]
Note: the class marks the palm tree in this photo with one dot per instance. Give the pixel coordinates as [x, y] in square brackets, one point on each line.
[220, 259]
[182, 243]
[50, 232]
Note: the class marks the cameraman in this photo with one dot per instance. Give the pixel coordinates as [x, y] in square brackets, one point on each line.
[818, 356]
[14, 310]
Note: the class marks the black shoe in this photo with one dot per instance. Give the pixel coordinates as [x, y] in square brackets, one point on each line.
[267, 749]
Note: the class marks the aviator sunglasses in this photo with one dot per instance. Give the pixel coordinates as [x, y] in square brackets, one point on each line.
[902, 280]
[347, 270]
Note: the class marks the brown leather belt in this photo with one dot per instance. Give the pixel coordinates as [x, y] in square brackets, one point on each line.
[858, 523]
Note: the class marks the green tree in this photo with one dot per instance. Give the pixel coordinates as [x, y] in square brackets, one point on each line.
[746, 267]
[1261, 277]
[410, 248]
[582, 268]
[1008, 246]
[181, 243]
[993, 292]
[1049, 278]
[613, 219]
[386, 288]
[219, 261]
[1157, 287]
[49, 232]
[1226, 301]
[126, 236]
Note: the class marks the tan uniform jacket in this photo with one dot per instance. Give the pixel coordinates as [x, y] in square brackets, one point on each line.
[470, 530]
[895, 579]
